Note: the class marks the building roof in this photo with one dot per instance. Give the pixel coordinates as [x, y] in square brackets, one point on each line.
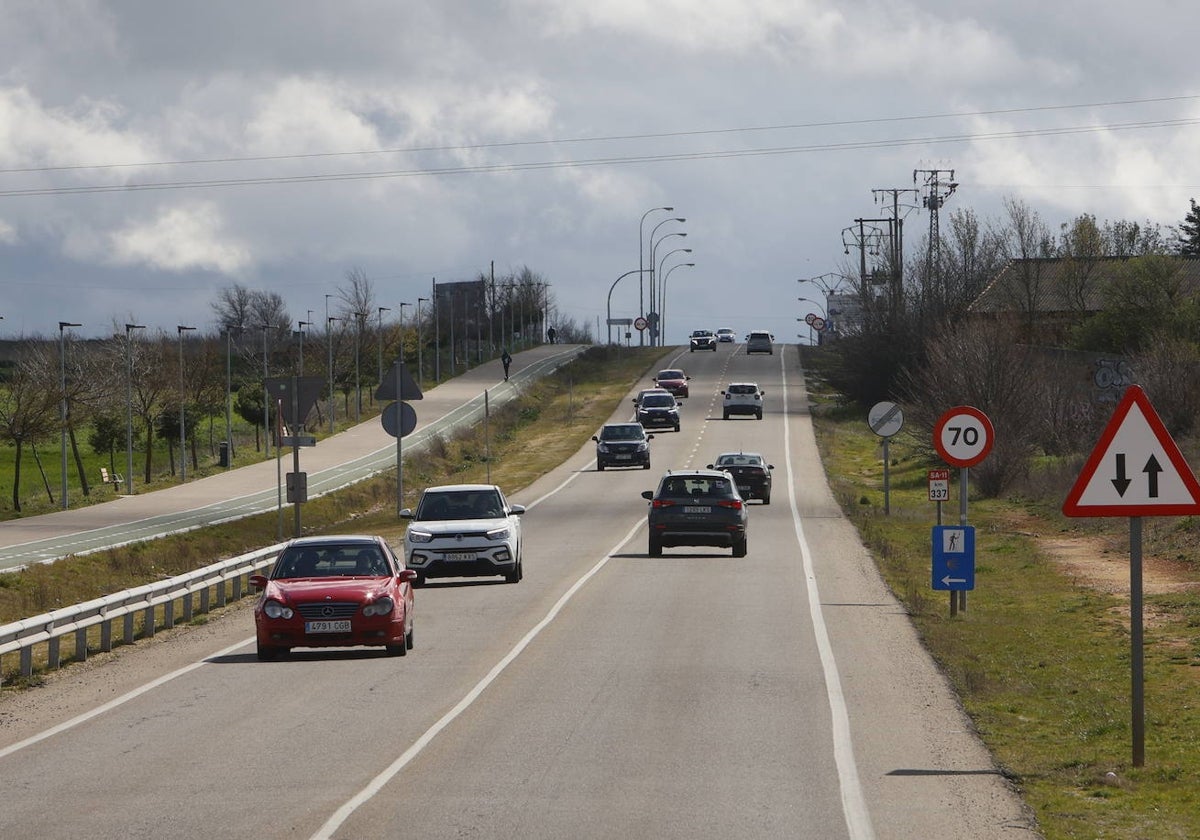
[1063, 285]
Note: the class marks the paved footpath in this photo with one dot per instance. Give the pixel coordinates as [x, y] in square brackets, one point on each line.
[349, 456]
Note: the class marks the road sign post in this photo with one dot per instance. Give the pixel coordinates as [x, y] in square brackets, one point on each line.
[1135, 470]
[885, 420]
[963, 436]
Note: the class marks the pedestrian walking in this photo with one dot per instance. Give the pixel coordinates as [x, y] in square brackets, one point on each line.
[506, 360]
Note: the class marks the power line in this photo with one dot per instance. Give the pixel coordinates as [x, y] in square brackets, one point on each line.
[603, 138]
[604, 161]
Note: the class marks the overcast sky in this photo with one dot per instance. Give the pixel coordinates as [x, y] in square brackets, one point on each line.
[462, 133]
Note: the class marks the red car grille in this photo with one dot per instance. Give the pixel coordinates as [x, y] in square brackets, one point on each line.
[327, 610]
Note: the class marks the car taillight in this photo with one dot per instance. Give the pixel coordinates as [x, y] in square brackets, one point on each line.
[732, 504]
[662, 503]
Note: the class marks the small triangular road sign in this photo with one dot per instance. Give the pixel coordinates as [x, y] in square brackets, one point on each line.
[1135, 469]
[408, 388]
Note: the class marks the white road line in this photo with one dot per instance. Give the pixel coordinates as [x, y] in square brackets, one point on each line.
[112, 704]
[377, 784]
[854, 806]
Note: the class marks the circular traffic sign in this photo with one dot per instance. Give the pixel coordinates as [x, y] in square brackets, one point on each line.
[640, 323]
[398, 416]
[885, 419]
[810, 317]
[963, 436]
[818, 323]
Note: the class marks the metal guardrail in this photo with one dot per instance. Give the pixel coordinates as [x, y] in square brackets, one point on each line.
[194, 592]
[219, 583]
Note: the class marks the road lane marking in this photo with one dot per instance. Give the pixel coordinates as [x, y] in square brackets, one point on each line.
[377, 784]
[119, 701]
[854, 805]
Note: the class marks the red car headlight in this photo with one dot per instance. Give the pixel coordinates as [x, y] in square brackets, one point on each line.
[383, 606]
[274, 609]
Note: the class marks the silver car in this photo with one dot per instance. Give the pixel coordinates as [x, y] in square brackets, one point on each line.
[760, 341]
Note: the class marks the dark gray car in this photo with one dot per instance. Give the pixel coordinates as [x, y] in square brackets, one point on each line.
[696, 507]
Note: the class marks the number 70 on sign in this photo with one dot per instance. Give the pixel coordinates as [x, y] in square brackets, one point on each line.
[939, 485]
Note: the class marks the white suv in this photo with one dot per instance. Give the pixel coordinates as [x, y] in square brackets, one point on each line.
[742, 398]
[463, 530]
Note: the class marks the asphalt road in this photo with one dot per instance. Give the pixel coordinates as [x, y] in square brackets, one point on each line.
[344, 458]
[608, 694]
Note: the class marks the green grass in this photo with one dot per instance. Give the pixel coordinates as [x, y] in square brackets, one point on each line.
[1041, 661]
[526, 438]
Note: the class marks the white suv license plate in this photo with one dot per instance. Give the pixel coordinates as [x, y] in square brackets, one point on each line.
[697, 509]
[461, 556]
[327, 626]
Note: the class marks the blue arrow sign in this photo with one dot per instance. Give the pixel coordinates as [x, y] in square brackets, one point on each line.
[954, 557]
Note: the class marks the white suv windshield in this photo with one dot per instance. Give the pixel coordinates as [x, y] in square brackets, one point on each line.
[460, 504]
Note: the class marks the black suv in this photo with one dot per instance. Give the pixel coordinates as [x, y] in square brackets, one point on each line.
[750, 472]
[622, 445]
[703, 340]
[657, 409]
[696, 507]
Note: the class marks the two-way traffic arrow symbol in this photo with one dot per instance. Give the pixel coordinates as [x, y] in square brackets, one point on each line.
[1152, 469]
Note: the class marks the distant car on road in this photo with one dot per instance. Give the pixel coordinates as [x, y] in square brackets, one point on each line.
[657, 409]
[750, 472]
[696, 507]
[760, 341]
[464, 530]
[742, 398]
[725, 335]
[334, 591]
[702, 340]
[673, 380]
[623, 445]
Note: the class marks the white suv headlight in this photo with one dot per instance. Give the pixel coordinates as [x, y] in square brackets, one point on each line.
[420, 536]
[498, 534]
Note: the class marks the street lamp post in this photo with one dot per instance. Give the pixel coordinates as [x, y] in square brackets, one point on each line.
[329, 319]
[129, 328]
[359, 319]
[662, 312]
[182, 416]
[329, 343]
[653, 251]
[420, 367]
[300, 325]
[639, 272]
[229, 331]
[642, 266]
[661, 304]
[266, 395]
[379, 360]
[400, 353]
[62, 409]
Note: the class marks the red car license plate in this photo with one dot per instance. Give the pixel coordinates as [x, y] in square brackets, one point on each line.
[327, 626]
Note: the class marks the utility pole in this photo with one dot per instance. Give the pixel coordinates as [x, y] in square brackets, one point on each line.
[896, 230]
[936, 193]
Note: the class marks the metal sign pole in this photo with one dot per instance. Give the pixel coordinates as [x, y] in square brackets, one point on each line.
[1136, 652]
[296, 427]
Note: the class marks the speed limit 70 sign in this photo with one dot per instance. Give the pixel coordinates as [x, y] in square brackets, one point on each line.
[963, 436]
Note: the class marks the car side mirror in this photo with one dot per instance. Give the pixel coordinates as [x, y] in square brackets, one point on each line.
[762, 393]
[595, 438]
[649, 437]
[408, 575]
[517, 510]
[710, 467]
[258, 581]
[648, 495]
[770, 466]
[406, 513]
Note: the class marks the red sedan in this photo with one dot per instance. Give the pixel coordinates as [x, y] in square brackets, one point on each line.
[336, 591]
[673, 380]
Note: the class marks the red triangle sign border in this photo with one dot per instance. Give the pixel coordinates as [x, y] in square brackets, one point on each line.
[1134, 395]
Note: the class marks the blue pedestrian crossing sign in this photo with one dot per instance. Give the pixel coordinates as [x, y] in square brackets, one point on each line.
[954, 557]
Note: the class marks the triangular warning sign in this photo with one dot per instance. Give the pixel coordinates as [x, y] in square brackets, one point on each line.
[1136, 469]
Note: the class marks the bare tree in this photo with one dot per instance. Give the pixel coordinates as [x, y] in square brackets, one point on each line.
[28, 410]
